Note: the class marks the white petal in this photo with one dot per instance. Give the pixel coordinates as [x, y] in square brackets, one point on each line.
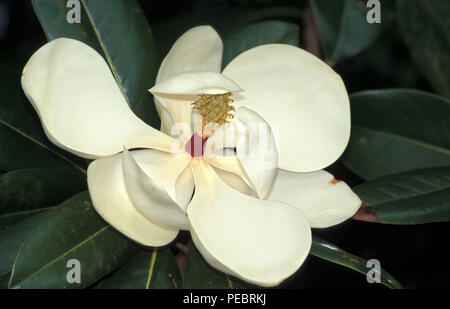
[176, 115]
[324, 200]
[257, 152]
[194, 83]
[80, 104]
[198, 49]
[111, 201]
[301, 97]
[231, 172]
[153, 190]
[261, 242]
[257, 155]
[236, 182]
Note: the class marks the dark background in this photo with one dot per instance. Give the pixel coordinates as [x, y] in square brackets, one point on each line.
[414, 255]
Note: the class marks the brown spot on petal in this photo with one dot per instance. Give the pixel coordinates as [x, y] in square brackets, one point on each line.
[334, 181]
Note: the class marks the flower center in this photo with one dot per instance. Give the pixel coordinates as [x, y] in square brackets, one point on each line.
[195, 145]
[214, 108]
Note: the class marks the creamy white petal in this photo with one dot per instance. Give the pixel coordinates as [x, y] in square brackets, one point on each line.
[153, 190]
[235, 181]
[256, 152]
[176, 115]
[231, 172]
[262, 242]
[80, 105]
[198, 49]
[110, 199]
[324, 200]
[301, 97]
[194, 83]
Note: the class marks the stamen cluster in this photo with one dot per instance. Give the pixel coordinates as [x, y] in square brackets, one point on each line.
[214, 108]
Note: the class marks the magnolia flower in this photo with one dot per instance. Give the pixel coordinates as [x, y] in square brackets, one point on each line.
[251, 212]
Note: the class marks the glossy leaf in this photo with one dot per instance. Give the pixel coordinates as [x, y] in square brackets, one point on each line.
[24, 193]
[267, 32]
[22, 143]
[226, 21]
[343, 28]
[331, 253]
[425, 27]
[11, 240]
[199, 275]
[71, 231]
[414, 197]
[155, 269]
[397, 130]
[120, 32]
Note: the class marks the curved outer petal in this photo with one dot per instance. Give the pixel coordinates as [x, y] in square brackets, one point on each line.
[80, 104]
[198, 49]
[256, 159]
[261, 242]
[153, 190]
[292, 89]
[324, 200]
[110, 199]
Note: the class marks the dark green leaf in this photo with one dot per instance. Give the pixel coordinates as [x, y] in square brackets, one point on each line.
[414, 197]
[397, 130]
[226, 21]
[26, 192]
[11, 241]
[343, 27]
[21, 135]
[330, 252]
[199, 275]
[120, 32]
[425, 26]
[71, 231]
[267, 32]
[146, 270]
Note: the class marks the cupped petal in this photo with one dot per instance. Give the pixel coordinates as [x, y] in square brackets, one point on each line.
[176, 94]
[256, 159]
[262, 242]
[176, 115]
[198, 49]
[230, 170]
[235, 181]
[324, 200]
[80, 105]
[153, 189]
[257, 152]
[195, 83]
[301, 96]
[110, 199]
